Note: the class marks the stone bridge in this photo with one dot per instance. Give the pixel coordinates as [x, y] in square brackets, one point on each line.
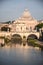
[26, 34]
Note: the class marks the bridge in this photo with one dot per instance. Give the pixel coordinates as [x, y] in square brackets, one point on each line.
[26, 34]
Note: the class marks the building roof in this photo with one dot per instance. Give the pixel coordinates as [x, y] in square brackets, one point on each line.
[26, 18]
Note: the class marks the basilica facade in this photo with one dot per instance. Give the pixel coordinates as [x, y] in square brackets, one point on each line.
[25, 23]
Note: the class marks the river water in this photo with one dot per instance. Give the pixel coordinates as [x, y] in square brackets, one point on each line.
[20, 56]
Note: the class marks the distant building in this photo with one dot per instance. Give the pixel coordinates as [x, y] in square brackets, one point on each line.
[24, 23]
[23, 26]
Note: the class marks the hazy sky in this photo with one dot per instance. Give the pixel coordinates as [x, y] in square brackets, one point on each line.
[12, 9]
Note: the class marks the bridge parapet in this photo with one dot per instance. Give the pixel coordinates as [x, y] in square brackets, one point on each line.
[20, 33]
[27, 34]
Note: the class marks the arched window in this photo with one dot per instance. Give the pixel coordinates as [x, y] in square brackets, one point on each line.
[30, 28]
[21, 28]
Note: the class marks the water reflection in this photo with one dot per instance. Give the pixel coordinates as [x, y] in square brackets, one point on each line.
[20, 56]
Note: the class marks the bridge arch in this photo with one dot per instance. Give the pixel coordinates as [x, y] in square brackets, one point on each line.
[16, 38]
[33, 36]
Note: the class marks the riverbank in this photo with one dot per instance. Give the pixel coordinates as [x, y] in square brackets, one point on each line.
[25, 44]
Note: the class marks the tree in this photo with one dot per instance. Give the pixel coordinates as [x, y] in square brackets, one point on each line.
[5, 28]
[39, 26]
[8, 22]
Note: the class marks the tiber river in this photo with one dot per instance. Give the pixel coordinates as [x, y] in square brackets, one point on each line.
[20, 55]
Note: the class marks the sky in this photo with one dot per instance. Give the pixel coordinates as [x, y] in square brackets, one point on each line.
[12, 9]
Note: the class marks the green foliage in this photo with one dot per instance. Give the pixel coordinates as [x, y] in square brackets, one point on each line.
[5, 29]
[8, 22]
[32, 42]
[39, 25]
